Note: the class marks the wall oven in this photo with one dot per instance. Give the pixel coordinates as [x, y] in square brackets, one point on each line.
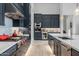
[37, 27]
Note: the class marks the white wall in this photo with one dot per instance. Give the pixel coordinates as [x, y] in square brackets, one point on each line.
[76, 24]
[7, 28]
[47, 8]
[67, 8]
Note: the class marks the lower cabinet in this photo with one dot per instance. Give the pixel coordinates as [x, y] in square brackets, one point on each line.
[55, 45]
[38, 35]
[57, 48]
[74, 52]
[65, 50]
[62, 49]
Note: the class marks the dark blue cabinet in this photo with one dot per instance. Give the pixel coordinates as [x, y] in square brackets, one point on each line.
[2, 13]
[26, 9]
[46, 21]
[1, 7]
[37, 18]
[50, 21]
[54, 21]
[16, 23]
[19, 7]
[38, 35]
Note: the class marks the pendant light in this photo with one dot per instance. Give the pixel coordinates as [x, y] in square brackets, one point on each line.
[77, 9]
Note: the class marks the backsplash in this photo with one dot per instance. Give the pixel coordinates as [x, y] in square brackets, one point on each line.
[6, 29]
[50, 29]
[22, 29]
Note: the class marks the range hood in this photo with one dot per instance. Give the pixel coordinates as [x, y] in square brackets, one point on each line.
[9, 8]
[13, 15]
[12, 12]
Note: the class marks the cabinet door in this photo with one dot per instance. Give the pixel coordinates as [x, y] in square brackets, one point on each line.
[21, 23]
[54, 22]
[46, 21]
[37, 35]
[2, 13]
[16, 23]
[59, 49]
[1, 7]
[74, 52]
[65, 50]
[55, 49]
[37, 18]
[26, 9]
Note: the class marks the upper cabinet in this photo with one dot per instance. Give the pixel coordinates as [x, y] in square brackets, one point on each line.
[9, 8]
[54, 21]
[37, 18]
[23, 22]
[27, 15]
[2, 11]
[18, 6]
[47, 20]
[67, 8]
[14, 10]
[47, 14]
[19, 12]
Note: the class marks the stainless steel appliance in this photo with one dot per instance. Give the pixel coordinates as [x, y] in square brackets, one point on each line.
[37, 26]
[44, 35]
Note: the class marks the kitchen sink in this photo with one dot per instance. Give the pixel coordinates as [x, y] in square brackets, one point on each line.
[65, 38]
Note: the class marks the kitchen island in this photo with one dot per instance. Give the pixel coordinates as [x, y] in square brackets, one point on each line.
[71, 44]
[7, 48]
[10, 46]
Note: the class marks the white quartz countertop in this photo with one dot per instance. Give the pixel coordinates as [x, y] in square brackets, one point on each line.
[6, 45]
[25, 35]
[74, 42]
